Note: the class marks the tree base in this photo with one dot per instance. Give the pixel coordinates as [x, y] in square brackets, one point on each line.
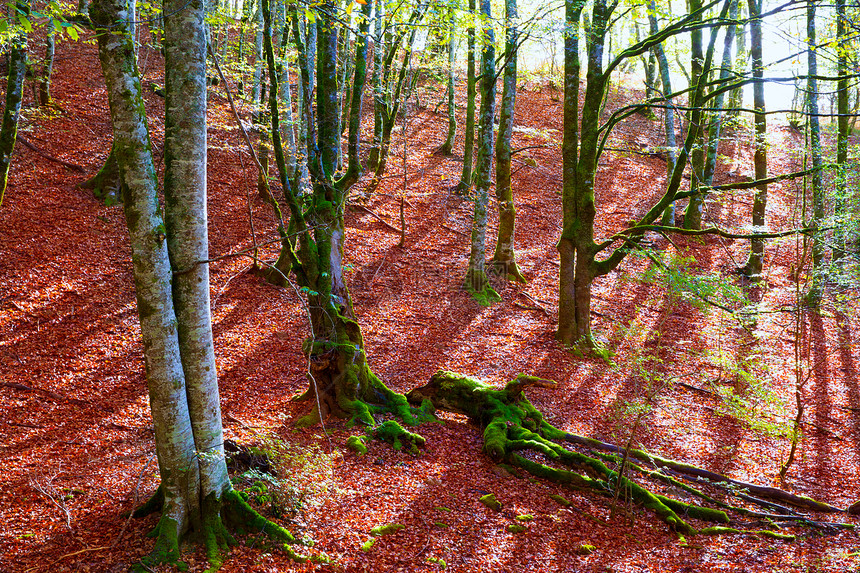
[213, 529]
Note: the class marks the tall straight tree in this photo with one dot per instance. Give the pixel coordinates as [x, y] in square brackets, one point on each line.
[471, 96]
[693, 212]
[755, 262]
[353, 170]
[476, 274]
[505, 259]
[817, 180]
[715, 122]
[668, 217]
[451, 12]
[195, 493]
[842, 131]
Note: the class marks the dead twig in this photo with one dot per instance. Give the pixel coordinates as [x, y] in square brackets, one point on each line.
[48, 156]
[48, 393]
[381, 220]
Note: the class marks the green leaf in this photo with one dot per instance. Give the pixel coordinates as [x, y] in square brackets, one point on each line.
[25, 23]
[72, 32]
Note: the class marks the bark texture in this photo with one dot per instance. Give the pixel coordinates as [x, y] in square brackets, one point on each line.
[476, 274]
[504, 259]
[14, 94]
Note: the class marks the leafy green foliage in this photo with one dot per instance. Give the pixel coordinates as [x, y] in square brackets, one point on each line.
[701, 290]
[303, 478]
[752, 400]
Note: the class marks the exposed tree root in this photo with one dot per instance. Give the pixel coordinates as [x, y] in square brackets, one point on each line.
[513, 426]
[342, 385]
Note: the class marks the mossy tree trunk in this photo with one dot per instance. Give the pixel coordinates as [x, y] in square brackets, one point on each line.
[755, 261]
[14, 91]
[668, 217]
[195, 494]
[476, 281]
[471, 97]
[693, 212]
[504, 259]
[448, 146]
[106, 184]
[583, 140]
[842, 131]
[353, 170]
[817, 179]
[48, 65]
[340, 381]
[379, 41]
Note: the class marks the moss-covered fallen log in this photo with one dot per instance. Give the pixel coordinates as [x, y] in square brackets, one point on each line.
[513, 427]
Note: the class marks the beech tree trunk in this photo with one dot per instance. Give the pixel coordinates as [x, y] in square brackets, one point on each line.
[448, 146]
[817, 187]
[505, 260]
[568, 330]
[174, 437]
[340, 381]
[716, 122]
[581, 149]
[471, 97]
[173, 307]
[668, 217]
[14, 92]
[842, 131]
[353, 170]
[48, 65]
[476, 274]
[755, 262]
[693, 212]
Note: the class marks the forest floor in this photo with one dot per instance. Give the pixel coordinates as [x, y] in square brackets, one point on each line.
[76, 441]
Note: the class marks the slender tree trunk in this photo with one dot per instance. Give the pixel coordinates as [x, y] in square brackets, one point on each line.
[14, 92]
[818, 214]
[257, 85]
[448, 146]
[755, 262]
[741, 56]
[167, 392]
[504, 259]
[287, 122]
[344, 87]
[716, 121]
[842, 132]
[48, 66]
[567, 325]
[188, 243]
[668, 217]
[379, 36]
[353, 170]
[471, 97]
[476, 276]
[693, 213]
[395, 84]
